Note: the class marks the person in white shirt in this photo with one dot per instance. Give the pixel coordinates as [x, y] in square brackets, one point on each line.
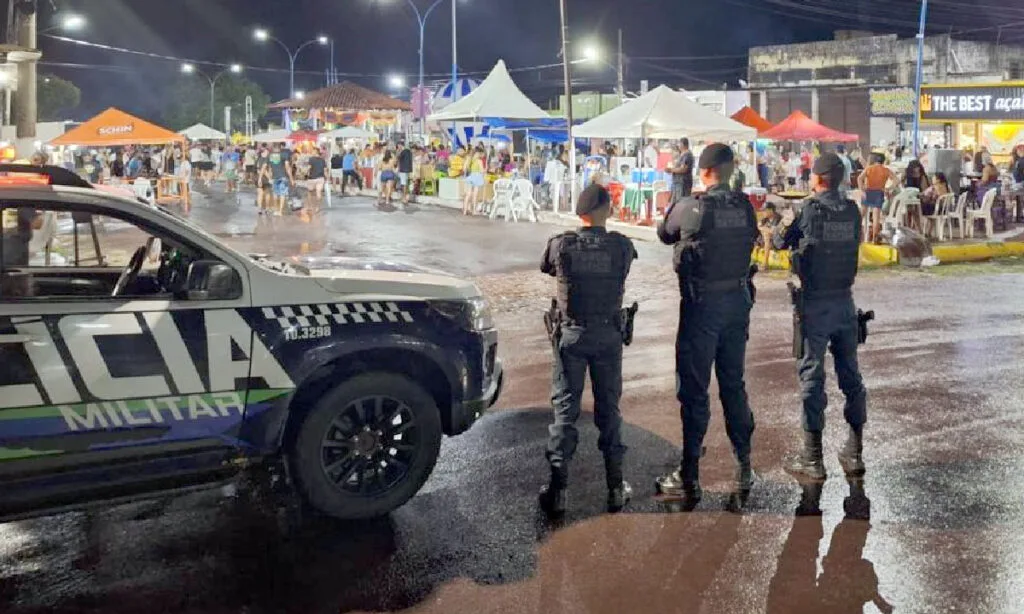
[650, 155]
[249, 160]
[793, 167]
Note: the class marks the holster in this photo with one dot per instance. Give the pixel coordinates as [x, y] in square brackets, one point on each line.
[796, 296]
[626, 317]
[751, 273]
[863, 317]
[553, 323]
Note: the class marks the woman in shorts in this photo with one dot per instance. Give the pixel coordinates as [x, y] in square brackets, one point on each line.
[263, 181]
[872, 183]
[475, 181]
[388, 177]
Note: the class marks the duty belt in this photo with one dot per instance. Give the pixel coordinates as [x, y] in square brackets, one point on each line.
[592, 322]
[722, 286]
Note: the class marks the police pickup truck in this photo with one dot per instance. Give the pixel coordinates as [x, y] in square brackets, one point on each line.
[141, 356]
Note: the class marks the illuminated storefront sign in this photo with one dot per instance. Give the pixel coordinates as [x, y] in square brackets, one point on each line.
[970, 102]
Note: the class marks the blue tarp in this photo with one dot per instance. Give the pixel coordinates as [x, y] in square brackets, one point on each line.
[554, 123]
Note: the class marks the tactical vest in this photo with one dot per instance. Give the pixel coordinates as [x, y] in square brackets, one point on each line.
[591, 276]
[827, 262]
[722, 255]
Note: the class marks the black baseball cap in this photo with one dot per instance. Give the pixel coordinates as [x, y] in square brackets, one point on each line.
[592, 198]
[715, 155]
[826, 163]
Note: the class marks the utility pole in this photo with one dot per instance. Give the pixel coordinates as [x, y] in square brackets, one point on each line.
[25, 101]
[567, 68]
[622, 73]
[455, 51]
[917, 82]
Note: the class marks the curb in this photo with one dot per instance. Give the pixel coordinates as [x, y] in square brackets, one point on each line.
[974, 252]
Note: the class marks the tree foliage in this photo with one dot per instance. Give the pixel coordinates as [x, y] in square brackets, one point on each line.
[189, 101]
[56, 98]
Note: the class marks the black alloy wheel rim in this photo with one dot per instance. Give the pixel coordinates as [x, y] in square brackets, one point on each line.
[370, 445]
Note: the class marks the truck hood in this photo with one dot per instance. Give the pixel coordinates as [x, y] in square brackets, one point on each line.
[355, 276]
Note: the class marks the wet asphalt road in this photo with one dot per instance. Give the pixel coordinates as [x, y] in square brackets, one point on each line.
[943, 367]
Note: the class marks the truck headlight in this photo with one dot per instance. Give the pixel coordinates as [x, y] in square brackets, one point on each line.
[472, 314]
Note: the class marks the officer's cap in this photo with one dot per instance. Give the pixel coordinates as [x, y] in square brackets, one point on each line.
[592, 198]
[826, 163]
[715, 155]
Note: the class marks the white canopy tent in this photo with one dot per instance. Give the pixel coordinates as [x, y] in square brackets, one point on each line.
[497, 96]
[664, 113]
[347, 132]
[272, 136]
[202, 132]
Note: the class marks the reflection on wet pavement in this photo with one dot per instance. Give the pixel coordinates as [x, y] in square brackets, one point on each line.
[935, 526]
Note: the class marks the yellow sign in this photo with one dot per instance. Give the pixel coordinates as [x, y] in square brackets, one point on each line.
[10, 219]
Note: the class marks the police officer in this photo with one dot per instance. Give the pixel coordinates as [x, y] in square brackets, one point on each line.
[713, 239]
[591, 265]
[825, 238]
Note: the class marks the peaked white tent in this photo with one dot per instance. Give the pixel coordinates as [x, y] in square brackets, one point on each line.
[347, 132]
[664, 113]
[272, 136]
[497, 96]
[202, 132]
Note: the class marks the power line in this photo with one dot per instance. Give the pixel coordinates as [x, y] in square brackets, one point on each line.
[682, 58]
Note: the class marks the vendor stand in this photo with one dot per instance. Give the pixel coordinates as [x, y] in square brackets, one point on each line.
[662, 113]
[496, 98]
[977, 114]
[115, 128]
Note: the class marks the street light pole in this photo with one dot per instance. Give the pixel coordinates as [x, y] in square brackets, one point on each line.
[190, 69]
[455, 51]
[421, 18]
[263, 35]
[567, 69]
[622, 73]
[917, 82]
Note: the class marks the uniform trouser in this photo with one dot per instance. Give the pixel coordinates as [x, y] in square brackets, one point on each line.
[830, 323]
[598, 349]
[713, 332]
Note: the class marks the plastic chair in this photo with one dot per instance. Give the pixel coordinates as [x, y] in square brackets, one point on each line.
[937, 220]
[985, 213]
[955, 213]
[899, 207]
[523, 201]
[502, 202]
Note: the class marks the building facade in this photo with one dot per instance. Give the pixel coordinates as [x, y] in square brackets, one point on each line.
[837, 82]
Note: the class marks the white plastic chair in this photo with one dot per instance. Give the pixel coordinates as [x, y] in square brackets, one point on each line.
[898, 209]
[523, 200]
[984, 213]
[955, 213]
[938, 218]
[502, 203]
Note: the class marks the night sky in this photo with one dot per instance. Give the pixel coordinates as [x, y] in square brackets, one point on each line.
[374, 38]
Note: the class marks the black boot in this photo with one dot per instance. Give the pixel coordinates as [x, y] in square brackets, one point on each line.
[683, 483]
[743, 482]
[808, 464]
[850, 456]
[619, 490]
[553, 497]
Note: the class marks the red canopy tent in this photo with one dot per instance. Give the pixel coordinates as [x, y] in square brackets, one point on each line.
[750, 117]
[799, 127]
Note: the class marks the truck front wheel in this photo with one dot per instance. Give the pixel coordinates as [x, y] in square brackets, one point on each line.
[367, 446]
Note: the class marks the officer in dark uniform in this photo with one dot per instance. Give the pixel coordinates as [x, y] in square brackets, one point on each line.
[591, 265]
[713, 239]
[825, 238]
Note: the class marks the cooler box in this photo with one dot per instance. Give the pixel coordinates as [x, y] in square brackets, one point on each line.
[645, 176]
[758, 197]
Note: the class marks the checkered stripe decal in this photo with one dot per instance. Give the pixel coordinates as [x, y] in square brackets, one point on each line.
[303, 316]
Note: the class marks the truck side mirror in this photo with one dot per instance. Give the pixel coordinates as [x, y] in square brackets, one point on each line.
[210, 280]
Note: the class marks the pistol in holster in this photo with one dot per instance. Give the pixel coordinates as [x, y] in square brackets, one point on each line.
[553, 323]
[796, 296]
[751, 273]
[626, 317]
[863, 317]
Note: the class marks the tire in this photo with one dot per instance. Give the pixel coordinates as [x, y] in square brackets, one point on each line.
[367, 446]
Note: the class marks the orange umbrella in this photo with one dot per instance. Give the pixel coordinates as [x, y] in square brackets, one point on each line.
[750, 117]
[113, 128]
